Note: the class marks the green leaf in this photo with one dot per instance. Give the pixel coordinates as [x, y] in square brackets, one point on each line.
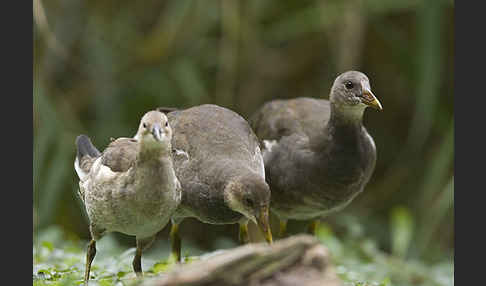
[386, 282]
[48, 245]
[162, 267]
[106, 282]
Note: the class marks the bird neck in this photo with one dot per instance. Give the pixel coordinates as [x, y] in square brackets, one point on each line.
[154, 167]
[340, 152]
[343, 128]
[342, 114]
[151, 151]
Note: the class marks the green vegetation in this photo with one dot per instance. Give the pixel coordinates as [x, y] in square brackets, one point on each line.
[61, 261]
[99, 65]
[357, 259]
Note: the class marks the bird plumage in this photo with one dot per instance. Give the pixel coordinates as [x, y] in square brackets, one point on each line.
[130, 187]
[318, 155]
[218, 161]
[86, 153]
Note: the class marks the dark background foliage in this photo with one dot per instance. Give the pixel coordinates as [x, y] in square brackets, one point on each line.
[99, 65]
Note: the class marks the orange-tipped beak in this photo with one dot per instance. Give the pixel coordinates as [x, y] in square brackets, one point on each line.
[370, 99]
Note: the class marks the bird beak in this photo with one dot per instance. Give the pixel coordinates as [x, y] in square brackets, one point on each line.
[262, 222]
[157, 132]
[370, 99]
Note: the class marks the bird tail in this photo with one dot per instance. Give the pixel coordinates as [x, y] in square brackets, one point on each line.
[85, 147]
[86, 154]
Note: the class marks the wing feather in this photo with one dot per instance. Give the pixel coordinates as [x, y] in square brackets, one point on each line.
[120, 154]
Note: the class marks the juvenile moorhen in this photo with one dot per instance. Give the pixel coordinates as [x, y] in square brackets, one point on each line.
[218, 161]
[318, 155]
[131, 187]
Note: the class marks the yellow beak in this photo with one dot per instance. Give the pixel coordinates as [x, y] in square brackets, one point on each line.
[370, 99]
[262, 221]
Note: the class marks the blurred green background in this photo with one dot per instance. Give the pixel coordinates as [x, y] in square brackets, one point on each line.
[99, 65]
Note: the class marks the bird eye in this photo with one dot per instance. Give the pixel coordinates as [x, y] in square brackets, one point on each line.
[144, 125]
[348, 85]
[249, 202]
[167, 124]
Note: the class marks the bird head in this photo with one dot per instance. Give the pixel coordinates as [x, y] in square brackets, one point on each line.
[351, 90]
[154, 129]
[250, 196]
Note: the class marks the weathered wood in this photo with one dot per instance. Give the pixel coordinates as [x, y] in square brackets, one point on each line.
[299, 260]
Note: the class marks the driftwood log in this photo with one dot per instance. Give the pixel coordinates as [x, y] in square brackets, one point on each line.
[299, 260]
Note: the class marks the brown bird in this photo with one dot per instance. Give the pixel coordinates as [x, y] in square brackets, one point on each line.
[131, 187]
[219, 164]
[318, 155]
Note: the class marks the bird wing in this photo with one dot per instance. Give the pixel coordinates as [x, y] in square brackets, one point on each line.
[280, 118]
[210, 132]
[120, 154]
[371, 151]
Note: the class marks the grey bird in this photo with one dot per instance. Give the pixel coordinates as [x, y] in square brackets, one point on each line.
[219, 163]
[318, 155]
[131, 187]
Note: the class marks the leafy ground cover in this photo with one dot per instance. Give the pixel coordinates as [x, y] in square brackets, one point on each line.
[60, 260]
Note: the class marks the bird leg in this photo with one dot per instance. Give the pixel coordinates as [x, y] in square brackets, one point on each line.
[243, 234]
[142, 244]
[312, 227]
[283, 228]
[137, 262]
[90, 254]
[175, 241]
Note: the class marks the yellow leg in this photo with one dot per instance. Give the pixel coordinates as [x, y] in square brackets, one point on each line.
[243, 234]
[283, 228]
[175, 242]
[313, 227]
